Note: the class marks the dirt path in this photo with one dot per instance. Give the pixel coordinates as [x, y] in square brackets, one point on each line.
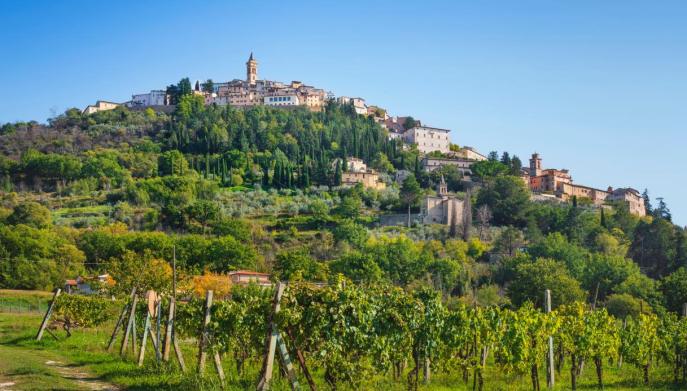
[78, 375]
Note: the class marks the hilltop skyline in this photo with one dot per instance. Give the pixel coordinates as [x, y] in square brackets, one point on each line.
[579, 84]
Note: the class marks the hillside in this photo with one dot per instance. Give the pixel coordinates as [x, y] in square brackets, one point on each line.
[259, 188]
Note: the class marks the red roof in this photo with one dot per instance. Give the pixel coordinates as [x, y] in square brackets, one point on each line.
[70, 282]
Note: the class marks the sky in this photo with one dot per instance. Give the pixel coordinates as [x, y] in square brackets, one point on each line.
[597, 87]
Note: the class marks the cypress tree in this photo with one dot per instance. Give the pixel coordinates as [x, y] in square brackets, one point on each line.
[603, 218]
[207, 165]
[338, 174]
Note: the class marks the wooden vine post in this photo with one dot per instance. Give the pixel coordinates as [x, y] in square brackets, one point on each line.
[168, 331]
[129, 326]
[203, 340]
[550, 381]
[274, 338]
[120, 320]
[48, 314]
[152, 306]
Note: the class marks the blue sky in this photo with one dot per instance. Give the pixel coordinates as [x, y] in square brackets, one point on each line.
[598, 87]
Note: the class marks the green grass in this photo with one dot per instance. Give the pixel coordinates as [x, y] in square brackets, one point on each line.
[22, 360]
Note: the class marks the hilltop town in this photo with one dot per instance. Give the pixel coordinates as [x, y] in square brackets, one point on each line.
[433, 143]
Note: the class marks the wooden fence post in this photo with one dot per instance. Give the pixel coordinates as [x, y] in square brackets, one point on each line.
[48, 313]
[550, 381]
[202, 344]
[129, 325]
[271, 343]
[120, 320]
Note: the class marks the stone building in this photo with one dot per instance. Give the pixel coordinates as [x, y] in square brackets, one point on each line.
[100, 105]
[443, 208]
[560, 184]
[430, 164]
[428, 139]
[469, 153]
[369, 179]
[632, 197]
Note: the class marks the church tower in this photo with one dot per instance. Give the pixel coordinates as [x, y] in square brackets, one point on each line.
[251, 70]
[442, 189]
[535, 165]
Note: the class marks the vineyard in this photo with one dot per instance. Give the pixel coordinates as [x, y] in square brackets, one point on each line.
[347, 334]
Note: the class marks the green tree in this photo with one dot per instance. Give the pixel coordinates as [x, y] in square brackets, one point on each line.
[226, 254]
[298, 263]
[172, 163]
[533, 278]
[508, 199]
[410, 194]
[351, 232]
[674, 288]
[32, 214]
[357, 266]
[208, 86]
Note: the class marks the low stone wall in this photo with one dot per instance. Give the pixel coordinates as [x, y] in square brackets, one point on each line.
[398, 219]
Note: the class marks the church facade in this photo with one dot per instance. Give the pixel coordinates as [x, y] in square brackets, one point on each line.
[443, 208]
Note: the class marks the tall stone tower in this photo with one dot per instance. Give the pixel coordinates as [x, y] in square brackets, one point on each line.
[535, 165]
[251, 70]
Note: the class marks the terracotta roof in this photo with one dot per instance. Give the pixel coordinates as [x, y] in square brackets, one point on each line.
[70, 282]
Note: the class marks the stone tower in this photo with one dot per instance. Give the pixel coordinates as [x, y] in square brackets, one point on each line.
[251, 70]
[442, 189]
[535, 165]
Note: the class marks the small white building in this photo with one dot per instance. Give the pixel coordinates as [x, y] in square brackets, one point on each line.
[428, 139]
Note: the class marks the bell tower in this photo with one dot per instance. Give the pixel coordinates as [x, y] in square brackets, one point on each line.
[535, 165]
[251, 70]
[442, 189]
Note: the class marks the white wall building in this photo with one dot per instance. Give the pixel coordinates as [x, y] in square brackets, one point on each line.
[359, 104]
[428, 139]
[152, 98]
[282, 100]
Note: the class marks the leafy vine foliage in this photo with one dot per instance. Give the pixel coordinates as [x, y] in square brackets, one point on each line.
[73, 311]
[350, 333]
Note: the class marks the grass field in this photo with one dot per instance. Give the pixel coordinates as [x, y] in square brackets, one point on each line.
[81, 363]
